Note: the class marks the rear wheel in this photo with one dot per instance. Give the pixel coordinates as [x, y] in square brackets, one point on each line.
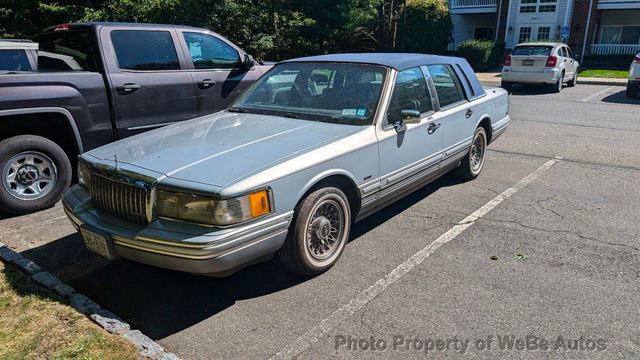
[558, 85]
[34, 173]
[573, 80]
[473, 163]
[319, 232]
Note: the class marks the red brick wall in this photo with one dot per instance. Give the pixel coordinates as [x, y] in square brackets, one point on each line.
[579, 25]
[504, 11]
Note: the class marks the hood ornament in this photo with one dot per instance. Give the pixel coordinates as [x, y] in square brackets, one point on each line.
[115, 159]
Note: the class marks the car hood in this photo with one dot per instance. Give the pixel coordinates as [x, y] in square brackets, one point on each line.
[222, 148]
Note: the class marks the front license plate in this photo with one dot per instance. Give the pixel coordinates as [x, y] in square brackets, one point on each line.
[95, 242]
[527, 62]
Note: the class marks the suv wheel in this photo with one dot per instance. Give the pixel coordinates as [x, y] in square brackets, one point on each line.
[319, 232]
[34, 173]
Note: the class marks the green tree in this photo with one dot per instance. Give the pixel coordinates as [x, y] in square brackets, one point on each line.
[424, 27]
[27, 18]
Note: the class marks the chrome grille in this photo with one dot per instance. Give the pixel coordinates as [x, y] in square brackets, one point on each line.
[125, 201]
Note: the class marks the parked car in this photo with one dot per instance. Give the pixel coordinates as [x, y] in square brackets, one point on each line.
[633, 85]
[98, 82]
[540, 63]
[18, 55]
[312, 146]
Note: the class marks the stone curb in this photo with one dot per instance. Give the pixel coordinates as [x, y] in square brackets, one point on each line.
[81, 303]
[602, 82]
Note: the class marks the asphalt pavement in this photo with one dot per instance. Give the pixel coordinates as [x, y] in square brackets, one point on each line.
[537, 258]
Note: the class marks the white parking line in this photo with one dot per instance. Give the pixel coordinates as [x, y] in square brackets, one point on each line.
[597, 94]
[312, 336]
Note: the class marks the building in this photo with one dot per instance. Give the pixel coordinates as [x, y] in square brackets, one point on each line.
[590, 27]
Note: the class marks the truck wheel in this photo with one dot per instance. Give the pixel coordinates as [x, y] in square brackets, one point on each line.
[35, 172]
[574, 80]
[473, 163]
[318, 234]
[507, 86]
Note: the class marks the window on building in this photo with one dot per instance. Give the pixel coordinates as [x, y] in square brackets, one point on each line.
[620, 35]
[547, 8]
[484, 33]
[528, 9]
[524, 35]
[548, 1]
[528, 1]
[544, 32]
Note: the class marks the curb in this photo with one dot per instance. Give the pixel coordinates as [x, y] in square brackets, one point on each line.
[102, 317]
[602, 82]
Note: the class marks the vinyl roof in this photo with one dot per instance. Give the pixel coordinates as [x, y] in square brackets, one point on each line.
[398, 61]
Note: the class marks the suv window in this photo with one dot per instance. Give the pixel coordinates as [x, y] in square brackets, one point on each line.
[569, 53]
[145, 50]
[209, 52]
[14, 60]
[410, 93]
[66, 51]
[562, 52]
[446, 83]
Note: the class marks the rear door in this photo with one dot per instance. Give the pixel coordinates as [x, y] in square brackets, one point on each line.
[569, 62]
[149, 80]
[530, 58]
[217, 68]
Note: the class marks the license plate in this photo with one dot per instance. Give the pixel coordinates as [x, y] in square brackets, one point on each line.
[95, 242]
[527, 62]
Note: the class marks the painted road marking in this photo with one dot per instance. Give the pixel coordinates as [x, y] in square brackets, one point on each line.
[312, 336]
[598, 94]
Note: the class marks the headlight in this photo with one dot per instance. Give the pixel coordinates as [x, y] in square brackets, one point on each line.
[206, 210]
[84, 174]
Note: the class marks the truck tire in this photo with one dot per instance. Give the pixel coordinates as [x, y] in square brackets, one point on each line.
[34, 172]
[318, 233]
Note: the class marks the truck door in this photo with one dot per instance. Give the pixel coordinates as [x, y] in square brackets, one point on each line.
[217, 68]
[150, 85]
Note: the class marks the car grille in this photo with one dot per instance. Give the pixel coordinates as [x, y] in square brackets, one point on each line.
[125, 201]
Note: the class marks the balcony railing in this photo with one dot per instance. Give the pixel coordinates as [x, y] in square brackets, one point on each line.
[615, 49]
[472, 3]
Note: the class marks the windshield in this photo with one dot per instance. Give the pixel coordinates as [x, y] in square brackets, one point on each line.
[339, 93]
[532, 50]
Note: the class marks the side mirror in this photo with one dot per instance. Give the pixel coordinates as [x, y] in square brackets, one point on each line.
[248, 61]
[406, 117]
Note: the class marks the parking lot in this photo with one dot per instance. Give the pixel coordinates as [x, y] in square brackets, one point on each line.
[544, 243]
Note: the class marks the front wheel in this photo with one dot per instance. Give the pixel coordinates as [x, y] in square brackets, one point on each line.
[35, 172]
[473, 163]
[319, 232]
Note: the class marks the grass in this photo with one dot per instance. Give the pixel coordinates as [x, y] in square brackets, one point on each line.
[615, 74]
[36, 325]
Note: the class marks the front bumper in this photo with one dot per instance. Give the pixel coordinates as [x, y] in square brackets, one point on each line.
[177, 245]
[549, 76]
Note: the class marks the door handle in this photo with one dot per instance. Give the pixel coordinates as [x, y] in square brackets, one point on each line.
[469, 113]
[128, 88]
[432, 128]
[206, 83]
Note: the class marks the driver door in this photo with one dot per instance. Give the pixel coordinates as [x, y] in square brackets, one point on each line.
[415, 152]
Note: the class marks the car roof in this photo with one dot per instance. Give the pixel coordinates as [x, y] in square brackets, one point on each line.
[127, 24]
[554, 44]
[398, 61]
[17, 44]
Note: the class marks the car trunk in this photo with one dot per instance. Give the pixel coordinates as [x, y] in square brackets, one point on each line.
[530, 58]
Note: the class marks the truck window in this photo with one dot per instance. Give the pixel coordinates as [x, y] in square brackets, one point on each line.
[66, 51]
[145, 50]
[14, 60]
[446, 83]
[209, 52]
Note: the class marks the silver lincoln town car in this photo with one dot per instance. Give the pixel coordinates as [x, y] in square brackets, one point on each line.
[314, 145]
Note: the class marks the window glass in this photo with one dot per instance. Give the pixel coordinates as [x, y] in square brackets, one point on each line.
[409, 93]
[66, 51]
[569, 53]
[209, 52]
[610, 35]
[630, 35]
[484, 33]
[145, 50]
[527, 9]
[547, 8]
[330, 92]
[446, 83]
[14, 60]
[562, 52]
[524, 35]
[544, 32]
[532, 50]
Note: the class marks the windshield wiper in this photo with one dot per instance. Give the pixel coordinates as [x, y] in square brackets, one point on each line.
[237, 110]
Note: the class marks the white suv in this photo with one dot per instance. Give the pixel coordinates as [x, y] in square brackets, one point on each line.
[633, 86]
[540, 63]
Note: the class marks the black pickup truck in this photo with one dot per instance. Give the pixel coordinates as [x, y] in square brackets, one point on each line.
[99, 82]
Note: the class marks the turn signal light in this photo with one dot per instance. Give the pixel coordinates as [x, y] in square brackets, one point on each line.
[259, 202]
[552, 61]
[507, 60]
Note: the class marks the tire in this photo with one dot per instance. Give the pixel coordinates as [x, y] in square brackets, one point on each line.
[574, 80]
[507, 86]
[34, 172]
[555, 88]
[629, 91]
[471, 166]
[309, 230]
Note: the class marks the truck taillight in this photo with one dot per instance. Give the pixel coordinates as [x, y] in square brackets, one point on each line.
[637, 59]
[507, 60]
[551, 61]
[62, 27]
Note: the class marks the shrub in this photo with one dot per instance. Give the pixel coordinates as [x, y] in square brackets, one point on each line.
[482, 55]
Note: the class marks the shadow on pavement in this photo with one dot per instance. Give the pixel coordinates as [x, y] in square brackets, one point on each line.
[525, 89]
[621, 98]
[162, 302]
